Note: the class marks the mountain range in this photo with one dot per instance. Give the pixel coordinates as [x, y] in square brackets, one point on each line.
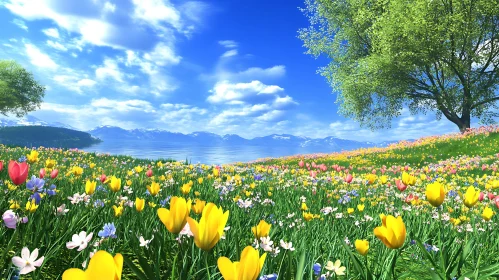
[113, 133]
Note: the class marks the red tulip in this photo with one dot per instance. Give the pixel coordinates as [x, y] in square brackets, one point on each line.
[149, 173]
[481, 197]
[54, 173]
[1, 165]
[491, 196]
[349, 178]
[42, 173]
[18, 172]
[103, 178]
[400, 185]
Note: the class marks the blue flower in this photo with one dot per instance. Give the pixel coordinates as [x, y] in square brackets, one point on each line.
[317, 269]
[51, 190]
[109, 230]
[35, 184]
[272, 276]
[22, 159]
[98, 203]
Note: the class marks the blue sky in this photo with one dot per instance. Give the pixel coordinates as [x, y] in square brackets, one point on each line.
[219, 66]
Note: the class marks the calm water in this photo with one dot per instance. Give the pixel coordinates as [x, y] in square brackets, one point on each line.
[195, 153]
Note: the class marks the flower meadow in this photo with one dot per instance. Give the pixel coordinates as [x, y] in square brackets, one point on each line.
[424, 209]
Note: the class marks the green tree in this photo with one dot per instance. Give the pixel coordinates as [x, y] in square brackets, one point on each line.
[428, 55]
[19, 92]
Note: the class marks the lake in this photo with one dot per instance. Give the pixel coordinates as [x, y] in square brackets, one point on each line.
[198, 153]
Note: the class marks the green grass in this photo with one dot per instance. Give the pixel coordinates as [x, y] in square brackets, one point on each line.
[275, 189]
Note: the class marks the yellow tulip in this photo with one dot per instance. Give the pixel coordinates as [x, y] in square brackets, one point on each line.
[304, 206]
[362, 246]
[90, 187]
[308, 216]
[175, 218]
[248, 268]
[350, 210]
[200, 180]
[32, 157]
[392, 232]
[138, 169]
[154, 188]
[186, 188]
[435, 194]
[139, 204]
[118, 210]
[408, 179]
[31, 206]
[487, 213]
[471, 197]
[210, 228]
[102, 266]
[361, 207]
[77, 171]
[383, 179]
[91, 165]
[14, 205]
[198, 206]
[115, 184]
[261, 230]
[50, 163]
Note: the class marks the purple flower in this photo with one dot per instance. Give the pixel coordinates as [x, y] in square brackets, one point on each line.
[51, 190]
[10, 219]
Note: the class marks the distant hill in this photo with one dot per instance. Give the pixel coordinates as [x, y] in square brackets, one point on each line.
[113, 133]
[34, 136]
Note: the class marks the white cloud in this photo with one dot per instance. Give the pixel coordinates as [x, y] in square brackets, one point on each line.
[110, 69]
[229, 53]
[56, 45]
[162, 55]
[156, 12]
[21, 24]
[74, 82]
[109, 7]
[38, 58]
[51, 32]
[230, 44]
[271, 116]
[225, 92]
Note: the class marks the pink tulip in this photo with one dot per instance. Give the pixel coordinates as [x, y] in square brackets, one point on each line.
[400, 185]
[313, 174]
[42, 173]
[373, 171]
[338, 169]
[484, 167]
[1, 165]
[349, 178]
[406, 168]
[149, 173]
[496, 200]
[54, 174]
[18, 172]
[301, 164]
[103, 178]
[481, 197]
[491, 196]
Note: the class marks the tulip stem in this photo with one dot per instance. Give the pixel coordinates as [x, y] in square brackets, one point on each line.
[206, 264]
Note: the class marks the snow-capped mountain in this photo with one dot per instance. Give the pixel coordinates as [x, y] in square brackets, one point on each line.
[32, 121]
[113, 133]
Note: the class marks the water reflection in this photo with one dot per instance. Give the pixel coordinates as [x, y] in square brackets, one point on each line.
[208, 154]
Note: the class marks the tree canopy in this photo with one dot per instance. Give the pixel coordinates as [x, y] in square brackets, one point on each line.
[19, 92]
[428, 55]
